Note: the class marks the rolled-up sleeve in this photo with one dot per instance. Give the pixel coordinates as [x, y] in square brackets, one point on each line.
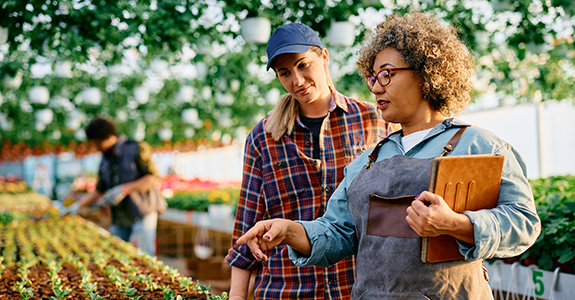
[251, 207]
[513, 226]
[332, 236]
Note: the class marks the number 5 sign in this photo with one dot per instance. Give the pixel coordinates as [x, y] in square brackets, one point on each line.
[530, 282]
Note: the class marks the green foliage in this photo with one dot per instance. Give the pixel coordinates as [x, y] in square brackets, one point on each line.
[201, 200]
[555, 200]
[100, 32]
[6, 217]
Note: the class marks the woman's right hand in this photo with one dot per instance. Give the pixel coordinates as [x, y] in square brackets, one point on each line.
[270, 233]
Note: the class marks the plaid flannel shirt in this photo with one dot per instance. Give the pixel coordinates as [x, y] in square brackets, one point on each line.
[282, 180]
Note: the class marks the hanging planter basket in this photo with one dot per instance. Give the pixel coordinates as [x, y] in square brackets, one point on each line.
[190, 115]
[3, 35]
[185, 94]
[341, 34]
[44, 116]
[39, 95]
[63, 69]
[165, 134]
[256, 30]
[91, 96]
[141, 95]
[15, 82]
[503, 5]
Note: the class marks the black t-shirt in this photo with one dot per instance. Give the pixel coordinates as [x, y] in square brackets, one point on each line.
[314, 125]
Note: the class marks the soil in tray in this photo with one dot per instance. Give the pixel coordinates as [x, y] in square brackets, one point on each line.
[8, 280]
[71, 279]
[161, 279]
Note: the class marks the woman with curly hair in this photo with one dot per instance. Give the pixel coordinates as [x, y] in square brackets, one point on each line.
[419, 72]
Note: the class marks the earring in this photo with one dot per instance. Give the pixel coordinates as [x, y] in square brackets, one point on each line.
[426, 97]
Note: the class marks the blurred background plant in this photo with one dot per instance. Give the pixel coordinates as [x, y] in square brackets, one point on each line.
[143, 63]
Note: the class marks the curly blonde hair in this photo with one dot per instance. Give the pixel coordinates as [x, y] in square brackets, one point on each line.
[433, 50]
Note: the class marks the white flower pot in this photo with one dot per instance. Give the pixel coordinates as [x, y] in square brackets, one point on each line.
[224, 99]
[206, 92]
[92, 96]
[235, 85]
[13, 82]
[73, 124]
[541, 48]
[141, 95]
[202, 251]
[74, 120]
[202, 69]
[190, 115]
[63, 69]
[3, 35]
[39, 95]
[189, 132]
[44, 116]
[482, 39]
[39, 126]
[273, 96]
[165, 134]
[185, 94]
[80, 134]
[256, 30]
[341, 33]
[140, 132]
[502, 5]
[159, 66]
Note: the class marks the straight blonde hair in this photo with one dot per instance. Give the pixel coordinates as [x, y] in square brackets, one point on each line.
[282, 118]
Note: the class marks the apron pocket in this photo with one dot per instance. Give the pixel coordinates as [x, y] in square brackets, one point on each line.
[386, 217]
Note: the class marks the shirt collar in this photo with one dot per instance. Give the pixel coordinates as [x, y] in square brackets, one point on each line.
[337, 100]
[438, 129]
[116, 149]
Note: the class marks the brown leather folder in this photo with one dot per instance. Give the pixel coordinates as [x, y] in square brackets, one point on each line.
[466, 183]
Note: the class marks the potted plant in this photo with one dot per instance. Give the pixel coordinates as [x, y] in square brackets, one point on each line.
[555, 246]
[502, 5]
[341, 33]
[39, 95]
[256, 30]
[185, 94]
[44, 116]
[141, 94]
[91, 96]
[63, 69]
[3, 35]
[12, 72]
[165, 134]
[190, 115]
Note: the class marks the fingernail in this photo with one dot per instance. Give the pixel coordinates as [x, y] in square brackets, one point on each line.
[257, 255]
[415, 198]
[264, 258]
[267, 237]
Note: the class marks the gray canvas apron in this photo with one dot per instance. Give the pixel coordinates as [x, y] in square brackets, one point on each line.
[388, 261]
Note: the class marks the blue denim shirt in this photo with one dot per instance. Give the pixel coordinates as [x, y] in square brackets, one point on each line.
[504, 231]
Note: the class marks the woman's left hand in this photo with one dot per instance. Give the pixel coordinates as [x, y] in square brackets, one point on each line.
[430, 216]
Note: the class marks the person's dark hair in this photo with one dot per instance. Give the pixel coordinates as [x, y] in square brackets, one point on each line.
[433, 50]
[100, 129]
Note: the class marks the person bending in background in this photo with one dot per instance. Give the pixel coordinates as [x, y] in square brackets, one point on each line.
[293, 161]
[126, 181]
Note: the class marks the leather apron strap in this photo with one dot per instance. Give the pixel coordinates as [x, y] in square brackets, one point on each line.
[447, 149]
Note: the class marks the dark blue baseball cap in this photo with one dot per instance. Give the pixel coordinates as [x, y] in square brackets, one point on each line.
[291, 38]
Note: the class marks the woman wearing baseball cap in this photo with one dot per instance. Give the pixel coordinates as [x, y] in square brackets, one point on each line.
[294, 159]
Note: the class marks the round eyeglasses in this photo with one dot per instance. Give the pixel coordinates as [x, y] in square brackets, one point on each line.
[383, 77]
